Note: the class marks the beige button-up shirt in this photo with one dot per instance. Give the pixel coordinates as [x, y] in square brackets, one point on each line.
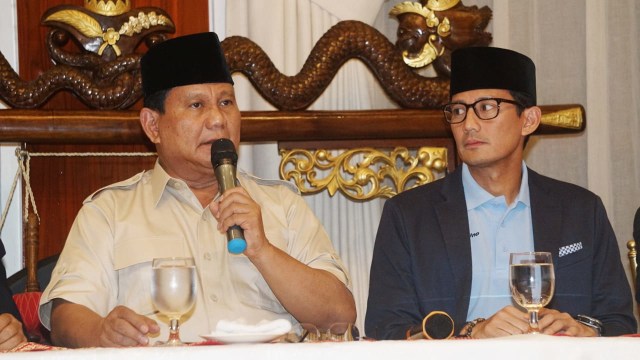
[121, 228]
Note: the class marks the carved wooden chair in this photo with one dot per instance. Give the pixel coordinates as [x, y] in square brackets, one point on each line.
[633, 259]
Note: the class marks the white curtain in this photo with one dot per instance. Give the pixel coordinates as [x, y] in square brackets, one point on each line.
[586, 52]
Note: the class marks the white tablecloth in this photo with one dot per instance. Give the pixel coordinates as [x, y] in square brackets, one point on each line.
[521, 347]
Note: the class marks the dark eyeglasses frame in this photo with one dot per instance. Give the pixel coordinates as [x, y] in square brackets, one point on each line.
[473, 106]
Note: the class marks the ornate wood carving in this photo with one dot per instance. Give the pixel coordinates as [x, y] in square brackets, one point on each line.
[362, 173]
[106, 76]
[428, 32]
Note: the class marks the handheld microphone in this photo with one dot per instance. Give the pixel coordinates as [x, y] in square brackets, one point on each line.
[435, 326]
[224, 160]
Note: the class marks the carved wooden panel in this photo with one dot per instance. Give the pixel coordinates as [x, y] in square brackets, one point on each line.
[34, 58]
[73, 179]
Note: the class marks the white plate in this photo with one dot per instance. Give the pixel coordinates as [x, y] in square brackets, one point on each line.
[243, 338]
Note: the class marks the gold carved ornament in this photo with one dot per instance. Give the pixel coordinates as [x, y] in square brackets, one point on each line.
[363, 173]
[571, 118]
[91, 28]
[429, 51]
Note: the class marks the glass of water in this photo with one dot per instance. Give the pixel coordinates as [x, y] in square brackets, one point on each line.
[173, 292]
[532, 283]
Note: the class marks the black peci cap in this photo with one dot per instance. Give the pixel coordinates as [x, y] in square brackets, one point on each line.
[492, 68]
[185, 60]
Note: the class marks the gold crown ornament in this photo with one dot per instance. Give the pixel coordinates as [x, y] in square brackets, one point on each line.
[409, 7]
[109, 7]
[441, 5]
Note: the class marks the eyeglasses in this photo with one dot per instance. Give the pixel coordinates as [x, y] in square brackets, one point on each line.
[485, 109]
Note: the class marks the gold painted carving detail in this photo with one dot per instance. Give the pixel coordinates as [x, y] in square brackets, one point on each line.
[362, 173]
[90, 27]
[108, 8]
[569, 118]
[429, 51]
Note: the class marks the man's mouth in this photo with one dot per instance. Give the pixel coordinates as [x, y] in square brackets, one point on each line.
[473, 142]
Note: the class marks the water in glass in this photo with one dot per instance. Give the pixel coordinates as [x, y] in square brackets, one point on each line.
[173, 291]
[532, 283]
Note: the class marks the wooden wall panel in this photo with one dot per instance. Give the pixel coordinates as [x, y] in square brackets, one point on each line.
[73, 179]
[61, 184]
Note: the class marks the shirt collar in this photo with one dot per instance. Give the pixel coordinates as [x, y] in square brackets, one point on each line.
[159, 180]
[475, 195]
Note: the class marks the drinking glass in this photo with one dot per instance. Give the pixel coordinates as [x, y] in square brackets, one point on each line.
[342, 332]
[532, 282]
[303, 332]
[173, 292]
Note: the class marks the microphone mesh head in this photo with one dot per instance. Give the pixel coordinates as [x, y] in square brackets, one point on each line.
[223, 149]
[437, 325]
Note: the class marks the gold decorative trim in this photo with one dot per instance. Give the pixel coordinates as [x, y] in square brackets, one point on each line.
[631, 254]
[409, 7]
[90, 27]
[143, 21]
[427, 55]
[362, 173]
[429, 51]
[108, 8]
[441, 5]
[570, 118]
[82, 22]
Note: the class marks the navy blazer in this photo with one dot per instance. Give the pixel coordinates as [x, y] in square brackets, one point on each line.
[422, 256]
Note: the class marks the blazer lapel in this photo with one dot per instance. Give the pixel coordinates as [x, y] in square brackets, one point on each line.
[546, 217]
[454, 222]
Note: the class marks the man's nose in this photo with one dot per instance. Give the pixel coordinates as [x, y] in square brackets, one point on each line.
[471, 122]
[215, 118]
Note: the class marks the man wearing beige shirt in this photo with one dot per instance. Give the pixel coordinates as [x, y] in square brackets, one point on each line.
[99, 294]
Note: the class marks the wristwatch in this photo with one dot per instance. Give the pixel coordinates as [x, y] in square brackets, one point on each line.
[591, 322]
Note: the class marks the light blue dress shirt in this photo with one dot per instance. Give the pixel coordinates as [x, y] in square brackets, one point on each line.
[496, 230]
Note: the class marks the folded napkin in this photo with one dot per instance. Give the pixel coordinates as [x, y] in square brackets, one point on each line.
[279, 326]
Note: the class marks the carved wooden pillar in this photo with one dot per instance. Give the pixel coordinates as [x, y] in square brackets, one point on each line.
[31, 251]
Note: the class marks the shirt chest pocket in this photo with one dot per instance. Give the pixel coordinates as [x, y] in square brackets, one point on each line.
[132, 262]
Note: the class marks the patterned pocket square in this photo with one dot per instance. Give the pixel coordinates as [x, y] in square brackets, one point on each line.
[569, 249]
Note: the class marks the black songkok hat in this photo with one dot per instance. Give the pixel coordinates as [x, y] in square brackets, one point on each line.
[492, 68]
[185, 60]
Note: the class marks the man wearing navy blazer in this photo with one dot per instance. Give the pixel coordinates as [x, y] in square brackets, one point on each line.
[445, 245]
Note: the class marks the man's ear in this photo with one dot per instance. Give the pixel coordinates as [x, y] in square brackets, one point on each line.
[149, 121]
[532, 118]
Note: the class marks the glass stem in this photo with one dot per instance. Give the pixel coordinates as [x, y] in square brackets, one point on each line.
[174, 333]
[533, 321]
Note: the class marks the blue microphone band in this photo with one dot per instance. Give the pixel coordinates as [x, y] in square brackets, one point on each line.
[236, 246]
[236, 243]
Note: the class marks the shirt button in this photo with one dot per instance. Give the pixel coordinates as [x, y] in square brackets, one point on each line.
[207, 256]
[213, 298]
